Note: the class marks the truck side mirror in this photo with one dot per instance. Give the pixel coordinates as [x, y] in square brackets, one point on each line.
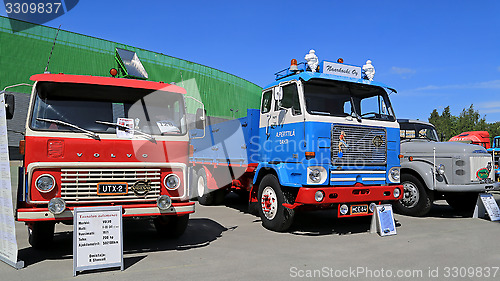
[200, 119]
[9, 106]
[278, 94]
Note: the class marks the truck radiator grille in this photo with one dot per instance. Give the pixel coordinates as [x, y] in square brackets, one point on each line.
[477, 163]
[356, 145]
[80, 185]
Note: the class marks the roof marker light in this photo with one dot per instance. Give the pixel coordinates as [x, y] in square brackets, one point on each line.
[293, 65]
[340, 60]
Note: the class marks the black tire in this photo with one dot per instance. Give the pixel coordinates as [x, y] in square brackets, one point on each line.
[463, 201]
[41, 234]
[205, 197]
[171, 226]
[219, 196]
[275, 216]
[417, 200]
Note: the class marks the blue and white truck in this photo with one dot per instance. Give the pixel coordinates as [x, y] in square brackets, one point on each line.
[495, 152]
[324, 137]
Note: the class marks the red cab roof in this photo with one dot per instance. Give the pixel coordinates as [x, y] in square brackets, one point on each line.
[108, 81]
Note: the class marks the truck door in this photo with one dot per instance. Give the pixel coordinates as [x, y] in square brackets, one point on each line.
[285, 130]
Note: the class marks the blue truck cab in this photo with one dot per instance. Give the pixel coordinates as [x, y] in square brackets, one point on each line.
[325, 137]
[495, 152]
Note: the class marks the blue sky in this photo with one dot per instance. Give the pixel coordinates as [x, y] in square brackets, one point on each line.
[435, 53]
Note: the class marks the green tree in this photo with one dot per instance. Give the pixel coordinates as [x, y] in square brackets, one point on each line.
[468, 120]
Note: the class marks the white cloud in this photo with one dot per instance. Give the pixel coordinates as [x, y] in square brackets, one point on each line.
[492, 104]
[489, 107]
[402, 70]
[494, 84]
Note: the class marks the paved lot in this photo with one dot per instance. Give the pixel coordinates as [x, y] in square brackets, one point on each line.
[226, 243]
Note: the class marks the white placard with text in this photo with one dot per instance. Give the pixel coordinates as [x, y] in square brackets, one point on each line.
[97, 238]
[486, 204]
[341, 69]
[8, 242]
[383, 221]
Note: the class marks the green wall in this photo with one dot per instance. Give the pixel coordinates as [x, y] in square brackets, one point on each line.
[25, 53]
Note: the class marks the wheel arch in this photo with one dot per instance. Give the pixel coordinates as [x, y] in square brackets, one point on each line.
[421, 171]
[260, 173]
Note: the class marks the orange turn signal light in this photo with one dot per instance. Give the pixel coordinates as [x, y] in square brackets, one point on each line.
[22, 147]
[310, 154]
[191, 150]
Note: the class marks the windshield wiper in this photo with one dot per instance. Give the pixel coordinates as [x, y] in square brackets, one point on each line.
[126, 129]
[94, 135]
[320, 112]
[358, 117]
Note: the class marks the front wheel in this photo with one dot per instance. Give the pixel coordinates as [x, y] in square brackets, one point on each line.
[171, 226]
[204, 196]
[416, 200]
[272, 212]
[41, 234]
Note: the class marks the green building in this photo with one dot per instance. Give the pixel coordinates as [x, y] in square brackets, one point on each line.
[26, 52]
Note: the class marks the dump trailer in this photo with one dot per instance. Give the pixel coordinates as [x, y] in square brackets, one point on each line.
[325, 137]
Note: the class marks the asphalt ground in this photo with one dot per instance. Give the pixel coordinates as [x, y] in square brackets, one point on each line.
[227, 243]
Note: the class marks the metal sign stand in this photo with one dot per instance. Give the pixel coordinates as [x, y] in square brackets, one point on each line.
[383, 221]
[486, 205]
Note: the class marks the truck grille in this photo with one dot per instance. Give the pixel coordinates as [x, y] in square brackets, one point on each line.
[356, 145]
[80, 185]
[477, 163]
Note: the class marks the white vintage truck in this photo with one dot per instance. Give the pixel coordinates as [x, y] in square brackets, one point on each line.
[432, 170]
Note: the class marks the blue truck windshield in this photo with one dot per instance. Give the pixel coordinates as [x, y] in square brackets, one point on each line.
[81, 105]
[336, 98]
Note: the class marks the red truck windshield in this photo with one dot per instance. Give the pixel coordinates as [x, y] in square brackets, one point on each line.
[153, 112]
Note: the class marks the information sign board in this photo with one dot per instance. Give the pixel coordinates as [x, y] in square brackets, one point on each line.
[486, 204]
[8, 242]
[383, 221]
[97, 238]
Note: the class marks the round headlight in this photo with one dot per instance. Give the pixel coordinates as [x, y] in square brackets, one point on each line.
[164, 202]
[396, 192]
[315, 175]
[45, 183]
[319, 195]
[57, 205]
[171, 182]
[344, 209]
[394, 175]
[440, 169]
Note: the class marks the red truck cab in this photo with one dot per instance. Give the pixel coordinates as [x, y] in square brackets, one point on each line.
[481, 138]
[100, 141]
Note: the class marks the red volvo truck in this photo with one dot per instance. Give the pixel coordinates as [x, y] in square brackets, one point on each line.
[102, 141]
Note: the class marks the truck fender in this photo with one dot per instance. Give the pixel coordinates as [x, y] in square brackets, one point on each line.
[279, 170]
[423, 169]
[261, 170]
[211, 183]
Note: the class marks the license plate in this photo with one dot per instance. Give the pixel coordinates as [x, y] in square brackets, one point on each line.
[359, 209]
[112, 188]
